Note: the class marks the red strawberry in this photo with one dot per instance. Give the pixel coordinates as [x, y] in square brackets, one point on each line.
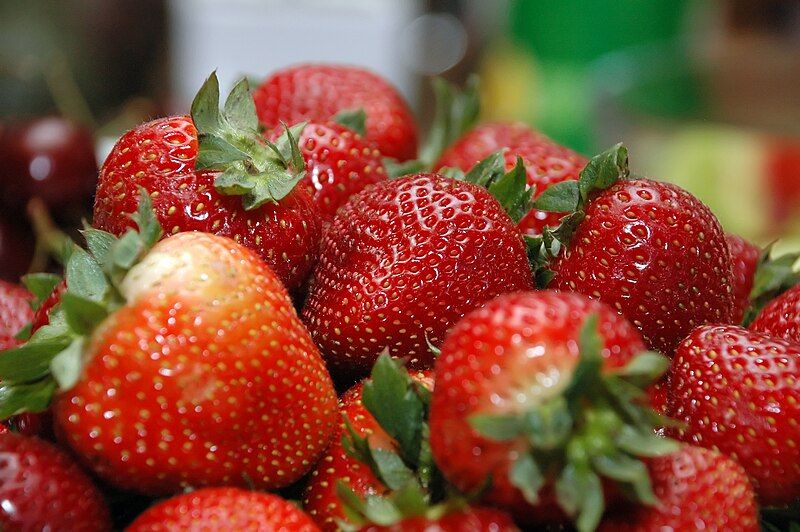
[546, 162]
[339, 163]
[15, 313]
[401, 262]
[744, 261]
[191, 368]
[41, 488]
[465, 520]
[320, 497]
[42, 315]
[697, 489]
[317, 92]
[521, 397]
[195, 187]
[650, 250]
[738, 392]
[222, 509]
[781, 317]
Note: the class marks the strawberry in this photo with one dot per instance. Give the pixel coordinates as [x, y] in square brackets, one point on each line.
[697, 489]
[464, 520]
[318, 92]
[185, 365]
[42, 488]
[15, 313]
[213, 173]
[546, 161]
[339, 163]
[404, 259]
[738, 392]
[781, 317]
[221, 509]
[320, 497]
[744, 261]
[542, 392]
[650, 250]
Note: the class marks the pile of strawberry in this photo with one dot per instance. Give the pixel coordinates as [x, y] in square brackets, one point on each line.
[522, 338]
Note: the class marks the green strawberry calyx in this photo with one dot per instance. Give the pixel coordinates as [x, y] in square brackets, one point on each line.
[400, 405]
[774, 276]
[455, 113]
[509, 188]
[52, 358]
[572, 197]
[600, 426]
[230, 142]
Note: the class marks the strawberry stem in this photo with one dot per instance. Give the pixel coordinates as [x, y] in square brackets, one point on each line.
[231, 143]
[600, 426]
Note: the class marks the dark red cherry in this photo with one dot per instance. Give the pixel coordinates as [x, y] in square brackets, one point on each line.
[49, 157]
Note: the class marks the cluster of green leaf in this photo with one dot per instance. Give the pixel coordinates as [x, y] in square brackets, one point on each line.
[400, 405]
[52, 358]
[230, 141]
[600, 426]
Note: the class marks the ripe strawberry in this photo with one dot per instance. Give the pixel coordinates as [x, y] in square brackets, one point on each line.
[402, 261]
[339, 163]
[221, 509]
[465, 520]
[650, 250]
[15, 313]
[43, 489]
[697, 489]
[527, 396]
[781, 317]
[317, 92]
[182, 366]
[738, 392]
[320, 498]
[212, 173]
[744, 261]
[546, 162]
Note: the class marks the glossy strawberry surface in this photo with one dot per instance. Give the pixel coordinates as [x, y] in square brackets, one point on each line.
[546, 162]
[510, 355]
[15, 312]
[697, 489]
[206, 376]
[318, 92]
[320, 498]
[738, 391]
[222, 509]
[401, 262]
[42, 488]
[744, 261]
[781, 317]
[656, 254]
[339, 163]
[160, 156]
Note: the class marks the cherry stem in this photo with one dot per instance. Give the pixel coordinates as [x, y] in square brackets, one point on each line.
[50, 240]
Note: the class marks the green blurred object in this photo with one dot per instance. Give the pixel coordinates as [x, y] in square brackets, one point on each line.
[566, 36]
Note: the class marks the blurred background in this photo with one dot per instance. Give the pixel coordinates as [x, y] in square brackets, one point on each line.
[705, 94]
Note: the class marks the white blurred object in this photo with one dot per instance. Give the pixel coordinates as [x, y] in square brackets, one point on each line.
[256, 37]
